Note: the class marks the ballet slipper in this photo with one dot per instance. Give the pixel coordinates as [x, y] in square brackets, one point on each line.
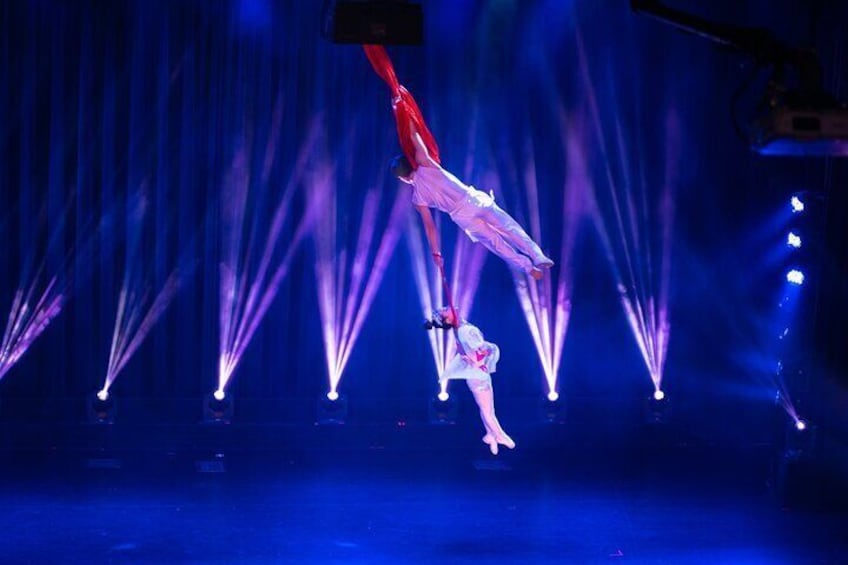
[544, 263]
[504, 439]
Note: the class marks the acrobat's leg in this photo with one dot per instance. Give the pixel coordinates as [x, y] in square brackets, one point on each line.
[484, 395]
[480, 230]
[514, 234]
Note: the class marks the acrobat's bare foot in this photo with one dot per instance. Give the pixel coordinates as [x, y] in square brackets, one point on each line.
[535, 273]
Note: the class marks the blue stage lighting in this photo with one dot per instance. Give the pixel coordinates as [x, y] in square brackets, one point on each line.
[795, 277]
[552, 411]
[442, 411]
[797, 204]
[101, 410]
[800, 425]
[331, 410]
[793, 240]
[218, 408]
[656, 410]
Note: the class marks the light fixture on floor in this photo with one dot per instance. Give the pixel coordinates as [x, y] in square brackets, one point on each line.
[442, 409]
[657, 409]
[800, 439]
[331, 409]
[218, 407]
[101, 408]
[552, 408]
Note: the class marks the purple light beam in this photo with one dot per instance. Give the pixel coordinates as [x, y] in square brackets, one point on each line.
[546, 303]
[136, 313]
[135, 317]
[36, 304]
[346, 288]
[246, 295]
[26, 323]
[632, 254]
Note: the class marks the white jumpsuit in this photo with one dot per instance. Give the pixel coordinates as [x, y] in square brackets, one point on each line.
[474, 368]
[478, 215]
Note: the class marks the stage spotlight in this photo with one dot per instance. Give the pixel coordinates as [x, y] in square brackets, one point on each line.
[103, 395]
[657, 409]
[797, 204]
[218, 408]
[659, 394]
[793, 240]
[101, 410]
[552, 411]
[800, 439]
[795, 277]
[331, 410]
[443, 396]
[442, 411]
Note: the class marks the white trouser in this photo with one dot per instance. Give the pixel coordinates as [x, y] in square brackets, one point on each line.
[485, 222]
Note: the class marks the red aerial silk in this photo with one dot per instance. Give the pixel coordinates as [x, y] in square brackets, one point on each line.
[407, 114]
[404, 106]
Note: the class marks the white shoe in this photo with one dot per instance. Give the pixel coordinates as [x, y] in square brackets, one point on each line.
[544, 263]
[504, 439]
[490, 441]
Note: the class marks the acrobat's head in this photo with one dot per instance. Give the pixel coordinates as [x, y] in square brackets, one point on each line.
[401, 168]
[443, 319]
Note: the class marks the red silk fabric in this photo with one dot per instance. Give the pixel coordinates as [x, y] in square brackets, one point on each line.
[404, 106]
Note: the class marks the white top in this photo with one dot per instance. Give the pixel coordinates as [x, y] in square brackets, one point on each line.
[472, 340]
[435, 187]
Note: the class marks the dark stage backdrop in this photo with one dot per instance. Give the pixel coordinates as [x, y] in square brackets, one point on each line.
[103, 101]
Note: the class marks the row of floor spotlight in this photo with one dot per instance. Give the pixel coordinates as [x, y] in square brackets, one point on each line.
[102, 407]
[796, 277]
[218, 407]
[793, 239]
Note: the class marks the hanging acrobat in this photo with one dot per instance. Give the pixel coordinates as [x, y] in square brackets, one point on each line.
[475, 361]
[482, 220]
[475, 211]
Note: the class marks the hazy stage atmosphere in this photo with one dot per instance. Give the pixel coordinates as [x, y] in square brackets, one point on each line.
[217, 298]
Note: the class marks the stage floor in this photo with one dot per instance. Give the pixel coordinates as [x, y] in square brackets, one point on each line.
[415, 503]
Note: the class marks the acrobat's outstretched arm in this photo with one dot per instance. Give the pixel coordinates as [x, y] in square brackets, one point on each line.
[423, 158]
[422, 155]
[432, 234]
